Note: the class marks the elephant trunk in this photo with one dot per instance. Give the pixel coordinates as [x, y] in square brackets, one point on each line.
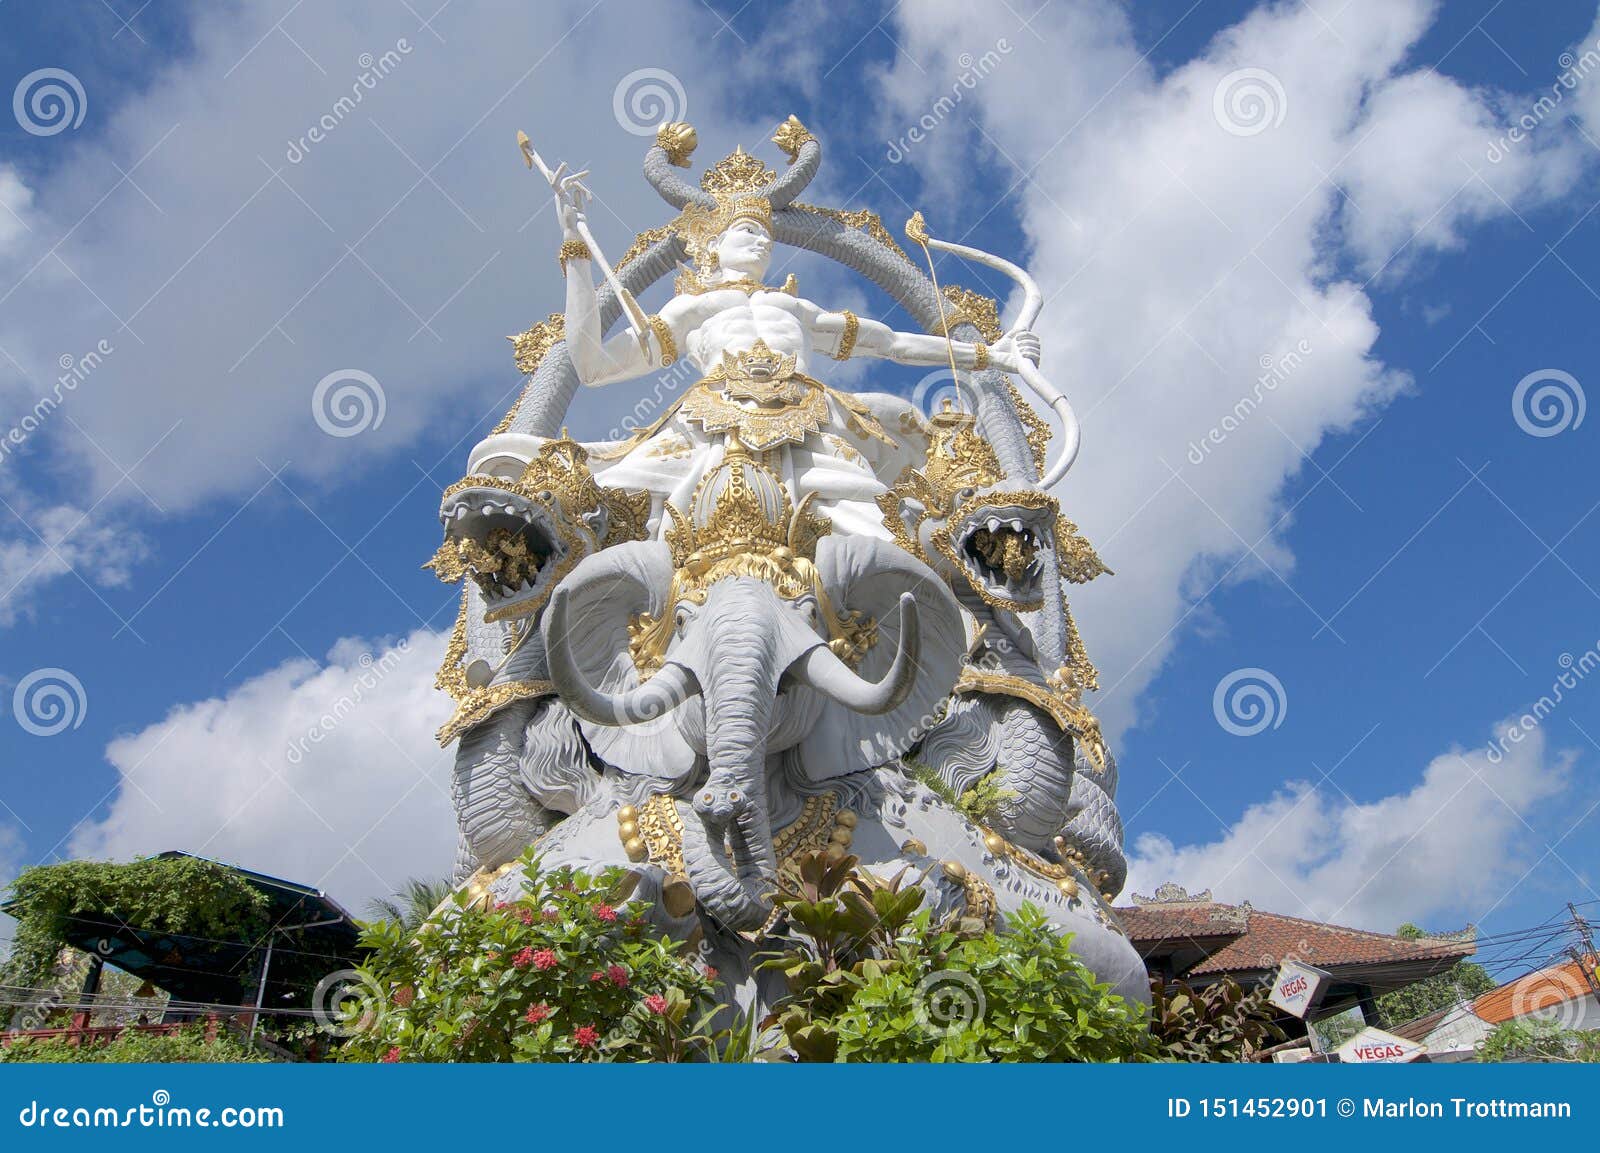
[729, 855]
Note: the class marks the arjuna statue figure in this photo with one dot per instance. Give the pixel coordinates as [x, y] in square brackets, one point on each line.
[784, 617]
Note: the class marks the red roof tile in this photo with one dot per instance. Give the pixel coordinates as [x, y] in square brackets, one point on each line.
[1253, 940]
[1542, 990]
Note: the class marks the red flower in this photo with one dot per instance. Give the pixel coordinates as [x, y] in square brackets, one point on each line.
[618, 975]
[605, 913]
[525, 958]
[545, 959]
[500, 906]
[597, 975]
[537, 1013]
[656, 1003]
[711, 973]
[391, 1056]
[526, 915]
[404, 995]
[551, 913]
[587, 1036]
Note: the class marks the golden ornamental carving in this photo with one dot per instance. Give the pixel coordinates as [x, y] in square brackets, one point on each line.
[1078, 560]
[643, 241]
[572, 250]
[968, 307]
[1035, 428]
[452, 677]
[741, 523]
[1057, 700]
[558, 484]
[737, 172]
[1035, 864]
[479, 703]
[791, 136]
[678, 140]
[862, 220]
[661, 829]
[658, 823]
[530, 347]
[664, 341]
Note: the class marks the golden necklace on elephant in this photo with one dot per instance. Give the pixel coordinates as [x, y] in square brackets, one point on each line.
[760, 351]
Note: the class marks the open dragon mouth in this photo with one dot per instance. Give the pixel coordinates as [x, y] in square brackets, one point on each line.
[1000, 545]
[508, 544]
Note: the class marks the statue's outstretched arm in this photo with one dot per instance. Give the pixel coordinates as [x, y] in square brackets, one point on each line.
[873, 338]
[599, 361]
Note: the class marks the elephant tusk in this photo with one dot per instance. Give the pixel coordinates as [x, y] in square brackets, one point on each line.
[823, 671]
[658, 696]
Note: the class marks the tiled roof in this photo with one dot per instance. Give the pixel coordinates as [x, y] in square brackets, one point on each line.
[1542, 990]
[1254, 940]
[1272, 937]
[1179, 922]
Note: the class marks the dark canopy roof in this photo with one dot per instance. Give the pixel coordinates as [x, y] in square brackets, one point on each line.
[311, 935]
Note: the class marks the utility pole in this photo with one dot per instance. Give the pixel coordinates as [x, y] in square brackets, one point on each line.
[1588, 964]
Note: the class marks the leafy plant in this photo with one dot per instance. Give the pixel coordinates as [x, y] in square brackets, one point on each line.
[1220, 1022]
[134, 1046]
[183, 895]
[872, 978]
[977, 804]
[411, 905]
[1541, 1041]
[1461, 982]
[559, 974]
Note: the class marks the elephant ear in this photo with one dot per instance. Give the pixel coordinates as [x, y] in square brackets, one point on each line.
[868, 576]
[605, 592]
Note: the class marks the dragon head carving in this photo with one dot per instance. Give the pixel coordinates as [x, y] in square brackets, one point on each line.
[516, 539]
[958, 514]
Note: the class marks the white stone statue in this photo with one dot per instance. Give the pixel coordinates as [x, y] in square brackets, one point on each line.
[765, 624]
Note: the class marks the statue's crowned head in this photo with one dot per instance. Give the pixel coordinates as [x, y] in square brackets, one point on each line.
[735, 236]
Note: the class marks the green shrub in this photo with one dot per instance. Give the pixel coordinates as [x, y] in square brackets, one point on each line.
[871, 977]
[556, 975]
[135, 1047]
[1218, 1023]
[183, 895]
[1542, 1041]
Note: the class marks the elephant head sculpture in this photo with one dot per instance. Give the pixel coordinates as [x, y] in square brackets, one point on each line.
[728, 642]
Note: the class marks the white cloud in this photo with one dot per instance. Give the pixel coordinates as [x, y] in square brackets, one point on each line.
[15, 201]
[51, 541]
[1180, 259]
[1448, 849]
[406, 243]
[324, 773]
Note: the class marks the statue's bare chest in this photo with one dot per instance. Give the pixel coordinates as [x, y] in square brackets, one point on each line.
[738, 325]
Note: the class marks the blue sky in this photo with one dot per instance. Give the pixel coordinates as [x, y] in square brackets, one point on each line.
[1382, 535]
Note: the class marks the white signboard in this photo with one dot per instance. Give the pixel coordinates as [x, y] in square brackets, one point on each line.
[1298, 988]
[1375, 1047]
